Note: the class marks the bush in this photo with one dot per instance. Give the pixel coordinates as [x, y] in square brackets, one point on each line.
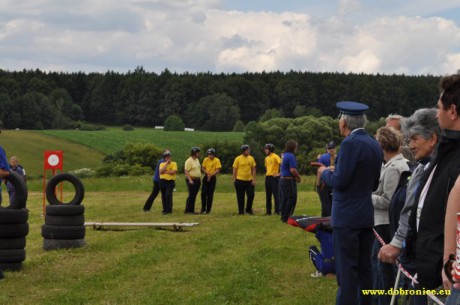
[84, 173]
[226, 151]
[174, 123]
[105, 171]
[120, 169]
[239, 126]
[90, 127]
[137, 170]
[128, 127]
[136, 159]
[142, 154]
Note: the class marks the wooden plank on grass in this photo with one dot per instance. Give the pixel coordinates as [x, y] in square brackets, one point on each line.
[177, 226]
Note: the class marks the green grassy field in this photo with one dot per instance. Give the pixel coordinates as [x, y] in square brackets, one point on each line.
[114, 138]
[30, 146]
[226, 259]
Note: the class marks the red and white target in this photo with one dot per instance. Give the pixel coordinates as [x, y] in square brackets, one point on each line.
[53, 159]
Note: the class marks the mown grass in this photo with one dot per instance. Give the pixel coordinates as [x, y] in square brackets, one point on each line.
[227, 259]
[144, 184]
[114, 138]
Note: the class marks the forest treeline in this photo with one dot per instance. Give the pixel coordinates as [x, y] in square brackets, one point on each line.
[33, 99]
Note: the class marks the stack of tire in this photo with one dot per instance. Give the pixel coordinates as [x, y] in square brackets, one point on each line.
[14, 227]
[64, 221]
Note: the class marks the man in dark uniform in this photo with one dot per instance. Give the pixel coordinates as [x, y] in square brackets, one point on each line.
[355, 177]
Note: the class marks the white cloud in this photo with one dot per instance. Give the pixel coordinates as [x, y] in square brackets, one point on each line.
[197, 35]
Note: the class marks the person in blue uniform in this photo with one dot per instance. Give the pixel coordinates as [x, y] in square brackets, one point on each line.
[288, 181]
[354, 178]
[156, 187]
[325, 191]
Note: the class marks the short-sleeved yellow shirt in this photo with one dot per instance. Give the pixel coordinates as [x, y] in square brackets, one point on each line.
[193, 167]
[169, 167]
[211, 166]
[272, 164]
[244, 165]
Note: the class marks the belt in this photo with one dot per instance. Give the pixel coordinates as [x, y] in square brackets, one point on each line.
[288, 178]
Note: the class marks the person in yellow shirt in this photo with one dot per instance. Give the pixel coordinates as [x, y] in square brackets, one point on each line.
[211, 166]
[168, 170]
[192, 170]
[244, 179]
[272, 176]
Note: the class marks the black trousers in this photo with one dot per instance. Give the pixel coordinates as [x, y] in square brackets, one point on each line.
[271, 188]
[244, 188]
[288, 198]
[153, 195]
[207, 193]
[325, 196]
[192, 192]
[167, 188]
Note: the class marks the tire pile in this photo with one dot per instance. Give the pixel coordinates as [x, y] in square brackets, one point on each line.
[14, 227]
[64, 222]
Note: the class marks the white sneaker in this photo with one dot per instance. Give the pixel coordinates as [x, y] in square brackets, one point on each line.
[316, 274]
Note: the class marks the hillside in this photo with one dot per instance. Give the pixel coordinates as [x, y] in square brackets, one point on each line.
[29, 147]
[114, 138]
[88, 148]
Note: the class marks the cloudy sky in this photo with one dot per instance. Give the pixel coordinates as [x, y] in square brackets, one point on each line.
[415, 37]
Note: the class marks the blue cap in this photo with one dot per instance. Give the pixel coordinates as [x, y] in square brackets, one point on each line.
[330, 145]
[351, 108]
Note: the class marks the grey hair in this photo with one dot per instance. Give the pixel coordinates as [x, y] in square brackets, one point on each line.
[422, 122]
[354, 121]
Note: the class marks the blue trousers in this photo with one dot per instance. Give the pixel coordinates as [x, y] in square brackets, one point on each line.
[352, 248]
[288, 198]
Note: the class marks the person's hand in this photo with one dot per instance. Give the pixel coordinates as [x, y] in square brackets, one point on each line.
[321, 169]
[190, 181]
[446, 283]
[388, 253]
[298, 179]
[253, 182]
[449, 267]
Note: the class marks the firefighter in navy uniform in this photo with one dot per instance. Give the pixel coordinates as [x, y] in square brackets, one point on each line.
[325, 191]
[354, 178]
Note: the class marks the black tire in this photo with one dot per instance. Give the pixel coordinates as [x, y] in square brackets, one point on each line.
[12, 256]
[12, 243]
[63, 232]
[14, 230]
[55, 180]
[20, 186]
[11, 266]
[53, 244]
[68, 220]
[65, 210]
[9, 216]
